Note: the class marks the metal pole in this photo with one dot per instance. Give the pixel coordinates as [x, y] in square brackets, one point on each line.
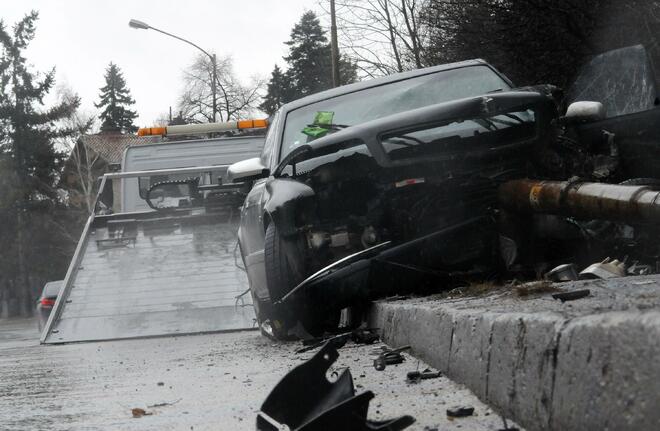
[213, 84]
[336, 81]
[214, 76]
[582, 200]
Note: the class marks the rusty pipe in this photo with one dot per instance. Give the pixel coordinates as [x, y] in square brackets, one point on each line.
[582, 200]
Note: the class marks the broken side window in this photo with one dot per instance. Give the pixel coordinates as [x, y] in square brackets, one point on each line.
[622, 80]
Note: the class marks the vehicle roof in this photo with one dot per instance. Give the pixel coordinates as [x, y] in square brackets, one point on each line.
[350, 88]
[52, 288]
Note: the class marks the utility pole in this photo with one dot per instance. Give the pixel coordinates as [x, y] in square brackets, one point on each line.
[336, 81]
[214, 77]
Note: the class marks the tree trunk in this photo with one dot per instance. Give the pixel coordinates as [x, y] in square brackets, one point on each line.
[21, 285]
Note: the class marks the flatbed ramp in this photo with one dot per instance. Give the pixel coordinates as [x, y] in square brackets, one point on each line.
[152, 275]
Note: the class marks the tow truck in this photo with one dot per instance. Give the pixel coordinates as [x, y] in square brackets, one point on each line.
[165, 263]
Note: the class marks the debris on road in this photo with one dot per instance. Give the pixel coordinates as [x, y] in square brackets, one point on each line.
[337, 341]
[365, 336]
[389, 357]
[565, 272]
[572, 295]
[165, 404]
[306, 400]
[643, 282]
[138, 412]
[608, 268]
[358, 336]
[460, 412]
[417, 376]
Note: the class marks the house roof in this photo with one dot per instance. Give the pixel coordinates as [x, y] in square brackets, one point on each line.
[110, 146]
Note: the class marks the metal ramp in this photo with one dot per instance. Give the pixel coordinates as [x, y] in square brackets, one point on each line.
[148, 274]
[164, 276]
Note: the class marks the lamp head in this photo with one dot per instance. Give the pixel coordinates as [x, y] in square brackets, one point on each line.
[134, 23]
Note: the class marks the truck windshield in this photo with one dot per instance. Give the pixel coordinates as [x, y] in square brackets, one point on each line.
[376, 102]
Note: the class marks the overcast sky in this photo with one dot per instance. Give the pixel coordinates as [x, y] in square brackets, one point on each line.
[80, 38]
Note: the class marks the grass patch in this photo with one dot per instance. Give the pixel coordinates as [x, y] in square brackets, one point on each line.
[476, 289]
[535, 288]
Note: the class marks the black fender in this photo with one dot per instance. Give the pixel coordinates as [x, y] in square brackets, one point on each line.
[288, 200]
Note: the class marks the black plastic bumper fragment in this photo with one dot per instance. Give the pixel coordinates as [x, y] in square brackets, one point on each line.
[399, 269]
[304, 400]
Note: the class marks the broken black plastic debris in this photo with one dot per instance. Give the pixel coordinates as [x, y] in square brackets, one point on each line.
[460, 412]
[358, 336]
[389, 357]
[365, 336]
[571, 295]
[416, 376]
[305, 400]
[337, 341]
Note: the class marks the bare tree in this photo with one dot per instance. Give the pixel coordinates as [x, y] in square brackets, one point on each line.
[82, 163]
[381, 36]
[234, 98]
[86, 167]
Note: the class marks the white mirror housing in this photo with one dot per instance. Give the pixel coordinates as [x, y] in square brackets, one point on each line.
[246, 170]
[583, 112]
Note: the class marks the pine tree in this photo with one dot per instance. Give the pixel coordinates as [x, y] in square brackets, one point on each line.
[115, 99]
[278, 91]
[29, 167]
[309, 65]
[308, 59]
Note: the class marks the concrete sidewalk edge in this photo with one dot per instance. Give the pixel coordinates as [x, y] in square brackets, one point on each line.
[543, 370]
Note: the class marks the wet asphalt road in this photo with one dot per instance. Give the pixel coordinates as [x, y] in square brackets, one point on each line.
[203, 382]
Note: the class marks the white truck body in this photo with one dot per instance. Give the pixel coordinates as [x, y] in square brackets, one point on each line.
[147, 271]
[180, 154]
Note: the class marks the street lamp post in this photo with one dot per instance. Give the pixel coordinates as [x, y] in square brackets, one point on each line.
[134, 23]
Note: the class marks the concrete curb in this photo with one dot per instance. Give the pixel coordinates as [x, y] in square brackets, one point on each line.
[545, 369]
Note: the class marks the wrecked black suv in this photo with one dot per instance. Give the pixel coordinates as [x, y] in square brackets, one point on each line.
[391, 185]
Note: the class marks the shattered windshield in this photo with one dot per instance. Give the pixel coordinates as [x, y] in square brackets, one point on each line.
[354, 108]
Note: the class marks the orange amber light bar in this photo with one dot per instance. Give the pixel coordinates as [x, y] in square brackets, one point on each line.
[252, 124]
[152, 131]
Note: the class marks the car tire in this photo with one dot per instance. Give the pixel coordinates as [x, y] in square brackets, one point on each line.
[282, 272]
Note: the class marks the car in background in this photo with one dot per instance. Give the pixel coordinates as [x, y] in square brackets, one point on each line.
[46, 301]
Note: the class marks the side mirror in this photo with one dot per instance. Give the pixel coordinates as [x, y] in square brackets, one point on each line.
[247, 170]
[584, 112]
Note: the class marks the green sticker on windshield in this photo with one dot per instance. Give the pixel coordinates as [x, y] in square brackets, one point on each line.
[314, 132]
[323, 118]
